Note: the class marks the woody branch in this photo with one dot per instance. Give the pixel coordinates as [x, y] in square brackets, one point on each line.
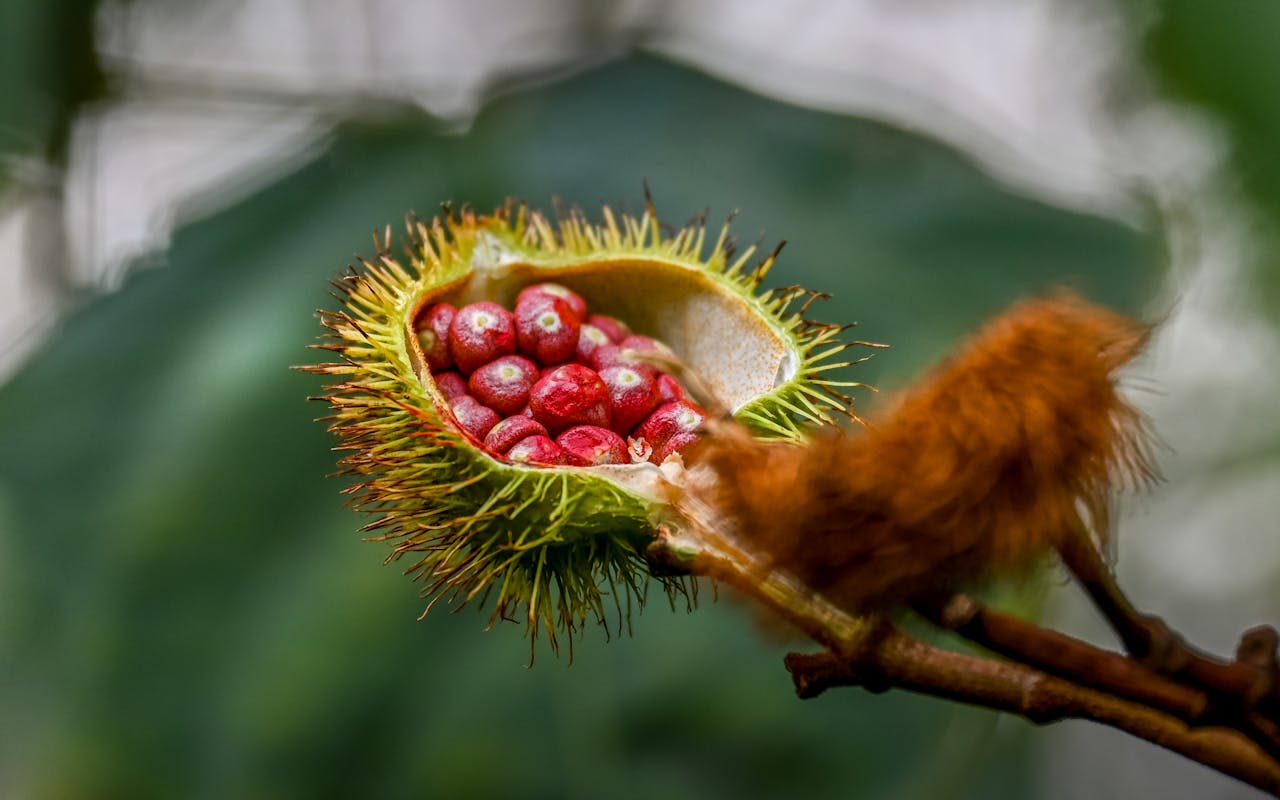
[1050, 677]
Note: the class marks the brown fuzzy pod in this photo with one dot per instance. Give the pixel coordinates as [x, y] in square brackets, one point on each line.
[1014, 443]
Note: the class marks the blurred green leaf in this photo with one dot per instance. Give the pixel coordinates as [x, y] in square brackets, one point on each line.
[1223, 57]
[193, 614]
[48, 68]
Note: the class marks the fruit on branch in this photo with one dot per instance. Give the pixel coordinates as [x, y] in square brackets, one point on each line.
[552, 530]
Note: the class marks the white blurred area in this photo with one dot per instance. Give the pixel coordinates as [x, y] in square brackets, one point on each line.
[224, 96]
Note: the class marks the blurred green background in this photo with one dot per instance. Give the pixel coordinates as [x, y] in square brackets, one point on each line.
[185, 607]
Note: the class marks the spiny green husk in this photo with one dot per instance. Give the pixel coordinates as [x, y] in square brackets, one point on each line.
[561, 544]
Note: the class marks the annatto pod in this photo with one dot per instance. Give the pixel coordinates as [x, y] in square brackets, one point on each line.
[552, 544]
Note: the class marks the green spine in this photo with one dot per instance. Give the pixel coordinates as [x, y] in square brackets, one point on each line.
[557, 546]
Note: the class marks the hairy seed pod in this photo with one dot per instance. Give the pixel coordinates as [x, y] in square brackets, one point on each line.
[548, 543]
[981, 469]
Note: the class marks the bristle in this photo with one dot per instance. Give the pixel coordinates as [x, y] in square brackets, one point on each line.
[983, 468]
[545, 546]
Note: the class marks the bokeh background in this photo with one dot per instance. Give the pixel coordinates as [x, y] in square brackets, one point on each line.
[185, 607]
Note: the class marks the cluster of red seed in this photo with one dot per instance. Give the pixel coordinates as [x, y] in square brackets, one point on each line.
[554, 386]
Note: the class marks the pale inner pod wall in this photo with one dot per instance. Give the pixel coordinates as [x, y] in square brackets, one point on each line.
[714, 331]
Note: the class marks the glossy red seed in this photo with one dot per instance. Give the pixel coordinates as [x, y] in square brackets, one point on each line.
[670, 390]
[538, 449]
[612, 355]
[511, 430]
[570, 395]
[546, 329]
[633, 393]
[591, 445]
[557, 292]
[474, 417]
[590, 339]
[644, 344]
[504, 383]
[674, 423]
[479, 333]
[451, 384]
[433, 335]
[675, 444]
[614, 328]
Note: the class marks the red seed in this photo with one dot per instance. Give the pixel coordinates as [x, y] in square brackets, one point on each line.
[504, 383]
[538, 449]
[511, 430]
[555, 291]
[591, 445]
[474, 418]
[671, 427]
[433, 335]
[480, 333]
[633, 393]
[670, 389]
[590, 339]
[675, 444]
[644, 344]
[614, 328]
[546, 329]
[611, 355]
[570, 395]
[451, 384]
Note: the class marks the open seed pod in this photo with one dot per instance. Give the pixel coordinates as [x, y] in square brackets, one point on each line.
[552, 544]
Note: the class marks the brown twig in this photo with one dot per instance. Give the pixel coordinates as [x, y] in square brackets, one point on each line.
[870, 653]
[1064, 656]
[1248, 682]
[716, 558]
[891, 659]
[1083, 663]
